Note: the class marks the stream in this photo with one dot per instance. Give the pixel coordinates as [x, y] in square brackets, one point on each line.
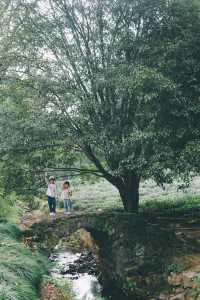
[81, 270]
[83, 273]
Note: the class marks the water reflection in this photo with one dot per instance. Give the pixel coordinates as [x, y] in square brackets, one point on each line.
[87, 287]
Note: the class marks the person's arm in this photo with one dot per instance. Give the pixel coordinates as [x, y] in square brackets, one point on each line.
[56, 192]
[46, 178]
[70, 193]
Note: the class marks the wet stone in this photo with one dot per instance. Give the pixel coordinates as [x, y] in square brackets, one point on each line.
[85, 264]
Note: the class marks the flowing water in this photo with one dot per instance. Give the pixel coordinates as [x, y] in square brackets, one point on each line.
[78, 268]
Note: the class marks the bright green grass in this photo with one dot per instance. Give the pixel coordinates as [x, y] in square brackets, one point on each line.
[161, 207]
[20, 270]
[172, 207]
[91, 197]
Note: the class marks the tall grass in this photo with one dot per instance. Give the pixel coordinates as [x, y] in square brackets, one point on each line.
[20, 270]
[172, 207]
[9, 208]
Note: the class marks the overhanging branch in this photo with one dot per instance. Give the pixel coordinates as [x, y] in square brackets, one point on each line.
[73, 171]
[4, 150]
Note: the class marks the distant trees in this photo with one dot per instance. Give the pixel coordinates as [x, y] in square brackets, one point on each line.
[117, 79]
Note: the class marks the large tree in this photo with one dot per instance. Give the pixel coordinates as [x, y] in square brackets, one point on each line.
[120, 79]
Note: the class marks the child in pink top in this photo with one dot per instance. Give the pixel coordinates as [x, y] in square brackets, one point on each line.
[66, 196]
[51, 194]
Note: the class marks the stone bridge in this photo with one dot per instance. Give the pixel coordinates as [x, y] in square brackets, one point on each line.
[102, 226]
[132, 252]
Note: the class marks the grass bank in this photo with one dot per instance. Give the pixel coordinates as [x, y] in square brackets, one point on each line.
[21, 271]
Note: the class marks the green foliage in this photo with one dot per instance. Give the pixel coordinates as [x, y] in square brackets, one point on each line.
[8, 209]
[175, 268]
[4, 209]
[197, 279]
[130, 287]
[23, 163]
[10, 230]
[20, 270]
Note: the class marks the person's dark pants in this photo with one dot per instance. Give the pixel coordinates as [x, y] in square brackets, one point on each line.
[52, 204]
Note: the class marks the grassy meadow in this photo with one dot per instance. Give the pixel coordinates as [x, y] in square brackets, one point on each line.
[103, 196]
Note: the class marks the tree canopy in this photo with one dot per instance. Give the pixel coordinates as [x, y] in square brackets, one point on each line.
[116, 80]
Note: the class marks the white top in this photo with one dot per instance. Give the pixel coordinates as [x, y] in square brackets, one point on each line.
[66, 193]
[51, 190]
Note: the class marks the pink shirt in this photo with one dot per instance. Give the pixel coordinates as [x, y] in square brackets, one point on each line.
[51, 190]
[66, 193]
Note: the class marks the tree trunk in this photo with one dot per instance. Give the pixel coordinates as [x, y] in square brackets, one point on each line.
[130, 196]
[128, 186]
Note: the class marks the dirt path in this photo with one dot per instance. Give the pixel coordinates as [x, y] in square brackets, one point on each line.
[37, 216]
